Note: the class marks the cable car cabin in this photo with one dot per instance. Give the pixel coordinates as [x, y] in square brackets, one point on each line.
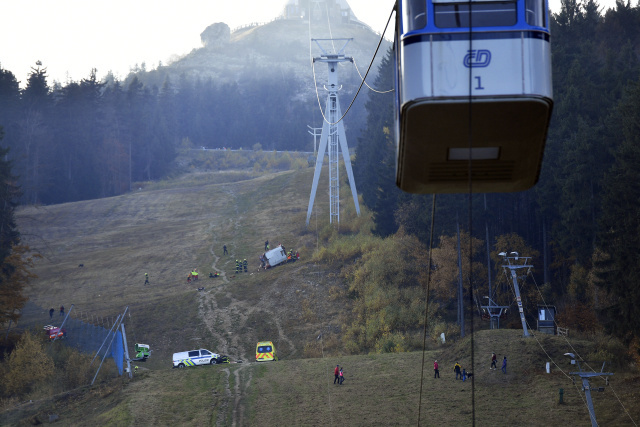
[473, 81]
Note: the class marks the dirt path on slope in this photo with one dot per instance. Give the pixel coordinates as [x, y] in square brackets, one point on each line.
[222, 322]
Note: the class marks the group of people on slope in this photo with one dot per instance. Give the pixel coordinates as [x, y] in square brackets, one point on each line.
[494, 360]
[339, 375]
[193, 275]
[53, 310]
[462, 372]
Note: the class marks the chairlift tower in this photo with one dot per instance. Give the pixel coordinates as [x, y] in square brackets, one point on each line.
[495, 312]
[515, 262]
[333, 137]
[586, 387]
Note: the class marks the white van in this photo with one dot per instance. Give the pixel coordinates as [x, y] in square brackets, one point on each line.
[196, 357]
[275, 256]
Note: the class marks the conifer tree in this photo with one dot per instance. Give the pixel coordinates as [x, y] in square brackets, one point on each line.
[619, 271]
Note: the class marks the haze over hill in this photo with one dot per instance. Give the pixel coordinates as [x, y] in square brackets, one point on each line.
[280, 49]
[280, 46]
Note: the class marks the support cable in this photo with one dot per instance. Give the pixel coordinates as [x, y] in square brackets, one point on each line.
[326, 7]
[584, 400]
[361, 83]
[546, 353]
[318, 96]
[426, 304]
[367, 84]
[105, 339]
[470, 218]
[328, 375]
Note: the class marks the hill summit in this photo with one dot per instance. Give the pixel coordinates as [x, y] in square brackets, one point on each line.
[278, 48]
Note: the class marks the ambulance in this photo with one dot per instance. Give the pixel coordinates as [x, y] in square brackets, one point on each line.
[265, 352]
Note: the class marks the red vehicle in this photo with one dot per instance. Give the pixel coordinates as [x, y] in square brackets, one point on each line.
[54, 332]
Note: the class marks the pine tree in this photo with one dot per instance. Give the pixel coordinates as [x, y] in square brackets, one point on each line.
[13, 261]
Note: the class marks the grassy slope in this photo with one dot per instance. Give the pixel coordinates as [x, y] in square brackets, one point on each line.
[169, 228]
[167, 232]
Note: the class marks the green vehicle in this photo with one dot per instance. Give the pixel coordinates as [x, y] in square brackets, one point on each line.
[142, 352]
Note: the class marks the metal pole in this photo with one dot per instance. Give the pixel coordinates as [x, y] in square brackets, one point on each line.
[103, 357]
[126, 350]
[103, 341]
[486, 228]
[107, 351]
[587, 393]
[63, 321]
[586, 387]
[514, 277]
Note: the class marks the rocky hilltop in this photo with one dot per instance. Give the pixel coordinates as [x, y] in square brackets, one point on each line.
[281, 47]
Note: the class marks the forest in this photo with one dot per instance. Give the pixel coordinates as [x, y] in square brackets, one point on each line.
[93, 139]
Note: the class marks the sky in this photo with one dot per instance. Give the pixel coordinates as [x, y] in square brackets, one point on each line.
[70, 37]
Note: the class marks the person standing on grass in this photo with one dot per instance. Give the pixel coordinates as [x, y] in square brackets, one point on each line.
[336, 373]
[457, 369]
[493, 361]
[62, 310]
[51, 313]
[224, 250]
[146, 278]
[341, 377]
[504, 365]
[436, 372]
[266, 245]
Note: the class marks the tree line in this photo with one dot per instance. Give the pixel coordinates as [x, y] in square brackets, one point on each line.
[92, 139]
[582, 216]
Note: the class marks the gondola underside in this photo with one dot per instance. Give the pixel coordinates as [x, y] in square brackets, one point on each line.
[507, 137]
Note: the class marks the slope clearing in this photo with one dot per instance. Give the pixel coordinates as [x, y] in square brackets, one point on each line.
[166, 229]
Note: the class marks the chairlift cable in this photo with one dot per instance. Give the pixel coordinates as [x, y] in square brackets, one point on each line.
[576, 353]
[543, 349]
[326, 6]
[318, 97]
[561, 370]
[470, 225]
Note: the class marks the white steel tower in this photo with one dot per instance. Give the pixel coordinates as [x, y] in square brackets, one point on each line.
[333, 137]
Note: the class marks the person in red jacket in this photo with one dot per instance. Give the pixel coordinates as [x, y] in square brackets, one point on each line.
[436, 372]
[336, 372]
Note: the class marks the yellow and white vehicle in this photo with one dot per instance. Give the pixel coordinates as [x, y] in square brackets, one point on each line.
[197, 357]
[265, 352]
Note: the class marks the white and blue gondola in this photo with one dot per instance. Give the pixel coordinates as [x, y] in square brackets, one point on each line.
[473, 82]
